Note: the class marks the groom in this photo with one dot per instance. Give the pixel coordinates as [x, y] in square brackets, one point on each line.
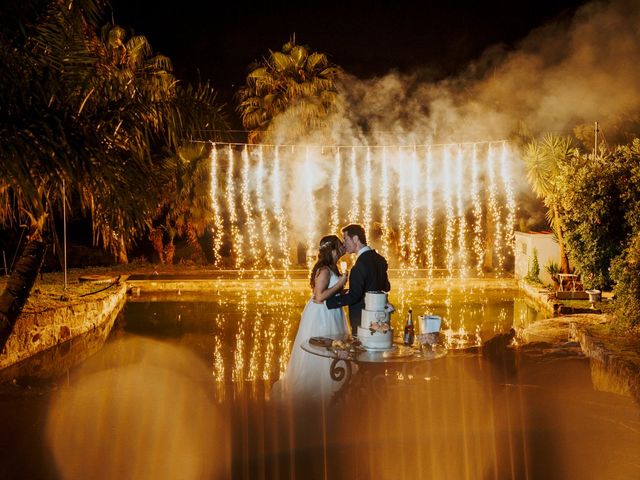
[369, 273]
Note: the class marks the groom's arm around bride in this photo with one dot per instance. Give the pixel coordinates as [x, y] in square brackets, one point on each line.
[369, 273]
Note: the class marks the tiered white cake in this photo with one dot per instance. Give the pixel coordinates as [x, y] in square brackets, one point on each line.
[375, 332]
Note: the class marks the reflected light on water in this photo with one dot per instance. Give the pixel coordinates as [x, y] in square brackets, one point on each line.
[148, 409]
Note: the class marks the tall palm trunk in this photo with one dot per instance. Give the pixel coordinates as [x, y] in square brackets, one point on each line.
[121, 253]
[19, 287]
[564, 258]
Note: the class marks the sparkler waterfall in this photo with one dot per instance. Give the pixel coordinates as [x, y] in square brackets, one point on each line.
[448, 209]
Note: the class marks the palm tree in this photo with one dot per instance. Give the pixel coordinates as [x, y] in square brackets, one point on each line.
[94, 111]
[543, 160]
[294, 82]
[186, 208]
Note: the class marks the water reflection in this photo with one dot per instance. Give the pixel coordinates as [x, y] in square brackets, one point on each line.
[182, 391]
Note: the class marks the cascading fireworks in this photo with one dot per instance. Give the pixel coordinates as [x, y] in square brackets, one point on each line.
[310, 208]
[428, 234]
[449, 209]
[384, 204]
[413, 212]
[478, 249]
[461, 222]
[402, 209]
[367, 194]
[263, 212]
[247, 208]
[354, 211]
[218, 226]
[236, 236]
[278, 211]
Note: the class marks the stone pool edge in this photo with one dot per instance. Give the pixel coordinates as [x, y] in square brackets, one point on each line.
[36, 332]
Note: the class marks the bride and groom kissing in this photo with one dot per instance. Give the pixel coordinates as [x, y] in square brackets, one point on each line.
[307, 375]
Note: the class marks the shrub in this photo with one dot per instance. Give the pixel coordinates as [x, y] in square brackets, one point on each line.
[625, 270]
[553, 269]
[534, 269]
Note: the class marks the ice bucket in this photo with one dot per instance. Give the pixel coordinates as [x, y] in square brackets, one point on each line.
[430, 323]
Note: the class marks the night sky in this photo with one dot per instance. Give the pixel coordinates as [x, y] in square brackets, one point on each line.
[217, 42]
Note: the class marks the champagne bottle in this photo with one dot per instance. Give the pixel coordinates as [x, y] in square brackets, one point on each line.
[409, 334]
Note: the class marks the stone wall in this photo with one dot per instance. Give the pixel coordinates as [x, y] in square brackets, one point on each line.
[611, 371]
[35, 332]
[539, 295]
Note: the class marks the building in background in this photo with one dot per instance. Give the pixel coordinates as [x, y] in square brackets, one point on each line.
[547, 251]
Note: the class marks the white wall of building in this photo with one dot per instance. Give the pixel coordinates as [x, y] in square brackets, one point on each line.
[547, 251]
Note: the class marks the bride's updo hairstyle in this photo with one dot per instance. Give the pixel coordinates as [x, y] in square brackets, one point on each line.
[328, 244]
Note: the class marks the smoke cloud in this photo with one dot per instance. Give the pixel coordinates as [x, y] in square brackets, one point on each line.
[571, 71]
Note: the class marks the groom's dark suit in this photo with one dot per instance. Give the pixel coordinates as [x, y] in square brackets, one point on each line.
[369, 273]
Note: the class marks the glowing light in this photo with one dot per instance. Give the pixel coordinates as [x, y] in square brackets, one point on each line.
[281, 219]
[429, 219]
[402, 213]
[354, 211]
[460, 213]
[335, 192]
[245, 196]
[447, 193]
[218, 362]
[238, 373]
[262, 209]
[384, 203]
[478, 250]
[218, 227]
[413, 212]
[510, 220]
[236, 236]
[311, 233]
[449, 207]
[494, 209]
[367, 194]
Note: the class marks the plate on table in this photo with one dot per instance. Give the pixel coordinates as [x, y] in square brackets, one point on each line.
[380, 349]
[321, 341]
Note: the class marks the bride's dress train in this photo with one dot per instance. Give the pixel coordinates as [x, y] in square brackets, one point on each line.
[307, 376]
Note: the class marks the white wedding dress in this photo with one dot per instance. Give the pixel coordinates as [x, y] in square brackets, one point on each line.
[307, 376]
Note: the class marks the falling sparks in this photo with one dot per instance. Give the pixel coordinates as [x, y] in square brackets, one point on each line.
[413, 212]
[245, 195]
[218, 227]
[460, 214]
[494, 208]
[448, 208]
[367, 194]
[510, 199]
[402, 219]
[264, 219]
[477, 212]
[335, 192]
[354, 211]
[384, 203]
[281, 220]
[236, 236]
[429, 220]
[310, 208]
[447, 193]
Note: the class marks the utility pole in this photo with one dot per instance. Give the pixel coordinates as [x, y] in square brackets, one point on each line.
[595, 148]
[64, 231]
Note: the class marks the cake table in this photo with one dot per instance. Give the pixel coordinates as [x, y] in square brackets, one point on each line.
[371, 366]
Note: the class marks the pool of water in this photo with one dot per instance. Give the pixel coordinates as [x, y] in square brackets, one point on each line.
[181, 389]
[244, 329]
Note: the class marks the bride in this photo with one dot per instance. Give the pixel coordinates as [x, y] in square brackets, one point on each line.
[307, 375]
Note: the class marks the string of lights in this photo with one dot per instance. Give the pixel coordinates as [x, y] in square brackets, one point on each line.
[341, 146]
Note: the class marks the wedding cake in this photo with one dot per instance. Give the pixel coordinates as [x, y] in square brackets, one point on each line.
[375, 332]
